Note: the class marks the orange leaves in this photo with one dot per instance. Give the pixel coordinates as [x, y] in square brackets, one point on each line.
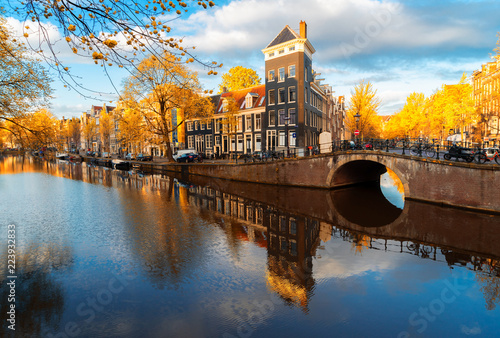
[97, 56]
[110, 43]
[72, 28]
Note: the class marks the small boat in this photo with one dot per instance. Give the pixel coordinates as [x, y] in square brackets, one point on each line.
[61, 156]
[104, 162]
[75, 158]
[120, 164]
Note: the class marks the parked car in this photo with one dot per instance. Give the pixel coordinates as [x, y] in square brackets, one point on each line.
[142, 157]
[189, 157]
[183, 151]
[106, 154]
[130, 156]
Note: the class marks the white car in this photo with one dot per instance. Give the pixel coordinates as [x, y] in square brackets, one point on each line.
[183, 151]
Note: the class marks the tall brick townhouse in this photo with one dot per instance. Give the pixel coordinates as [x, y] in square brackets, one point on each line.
[290, 110]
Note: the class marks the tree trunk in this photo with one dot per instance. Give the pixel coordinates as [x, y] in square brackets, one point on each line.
[166, 139]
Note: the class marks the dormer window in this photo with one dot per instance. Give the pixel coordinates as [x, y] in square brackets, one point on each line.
[281, 51]
[250, 100]
[271, 55]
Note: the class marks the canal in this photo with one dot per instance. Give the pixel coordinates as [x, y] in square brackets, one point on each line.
[105, 253]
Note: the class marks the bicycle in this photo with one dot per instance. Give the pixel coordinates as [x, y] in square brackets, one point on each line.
[488, 154]
[426, 149]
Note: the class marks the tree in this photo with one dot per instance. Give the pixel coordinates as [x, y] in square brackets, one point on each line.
[131, 127]
[156, 88]
[74, 132]
[105, 127]
[109, 32]
[365, 103]
[410, 121]
[239, 78]
[24, 84]
[89, 131]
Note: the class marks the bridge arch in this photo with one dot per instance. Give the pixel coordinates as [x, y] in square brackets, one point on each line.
[354, 168]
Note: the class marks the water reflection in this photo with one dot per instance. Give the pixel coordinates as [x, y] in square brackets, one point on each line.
[176, 228]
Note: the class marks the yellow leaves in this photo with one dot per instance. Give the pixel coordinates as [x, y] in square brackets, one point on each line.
[71, 28]
[25, 35]
[68, 39]
[211, 4]
[97, 56]
[178, 12]
[110, 43]
[74, 50]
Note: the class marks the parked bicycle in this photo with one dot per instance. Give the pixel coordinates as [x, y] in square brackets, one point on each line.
[424, 149]
[487, 155]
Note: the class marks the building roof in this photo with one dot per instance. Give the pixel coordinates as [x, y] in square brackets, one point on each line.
[286, 34]
[239, 96]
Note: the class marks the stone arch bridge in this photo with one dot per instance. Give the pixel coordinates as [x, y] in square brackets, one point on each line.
[442, 182]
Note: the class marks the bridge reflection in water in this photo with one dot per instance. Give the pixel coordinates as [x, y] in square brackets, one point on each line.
[294, 224]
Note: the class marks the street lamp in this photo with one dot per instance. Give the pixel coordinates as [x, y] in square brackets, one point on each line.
[287, 118]
[357, 116]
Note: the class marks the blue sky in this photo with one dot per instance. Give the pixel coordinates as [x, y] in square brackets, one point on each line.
[400, 46]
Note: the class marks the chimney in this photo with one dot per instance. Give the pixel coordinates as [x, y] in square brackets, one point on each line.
[303, 30]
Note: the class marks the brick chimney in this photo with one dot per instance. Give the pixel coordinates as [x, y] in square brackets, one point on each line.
[303, 29]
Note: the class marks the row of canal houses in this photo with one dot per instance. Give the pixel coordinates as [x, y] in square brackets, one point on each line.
[290, 110]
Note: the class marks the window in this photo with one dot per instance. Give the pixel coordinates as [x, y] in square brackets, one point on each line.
[270, 75]
[271, 55]
[271, 139]
[282, 139]
[292, 94]
[305, 74]
[190, 126]
[217, 140]
[249, 102]
[196, 125]
[240, 123]
[272, 97]
[281, 114]
[208, 141]
[257, 121]
[248, 122]
[272, 118]
[209, 125]
[191, 142]
[281, 51]
[217, 126]
[291, 49]
[258, 142]
[281, 74]
[291, 70]
[292, 115]
[202, 125]
[281, 95]
[306, 96]
[240, 142]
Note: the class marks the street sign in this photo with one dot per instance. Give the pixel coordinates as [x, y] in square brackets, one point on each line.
[294, 135]
[356, 132]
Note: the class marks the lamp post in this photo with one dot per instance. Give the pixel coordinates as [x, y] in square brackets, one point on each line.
[357, 116]
[287, 118]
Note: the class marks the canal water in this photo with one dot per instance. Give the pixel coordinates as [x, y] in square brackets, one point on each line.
[104, 253]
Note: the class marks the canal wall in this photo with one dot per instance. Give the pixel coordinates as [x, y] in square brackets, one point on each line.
[451, 183]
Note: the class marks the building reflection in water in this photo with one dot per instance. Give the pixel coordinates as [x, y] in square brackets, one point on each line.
[294, 224]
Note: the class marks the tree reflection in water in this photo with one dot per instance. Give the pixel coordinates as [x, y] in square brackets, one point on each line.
[39, 297]
[292, 223]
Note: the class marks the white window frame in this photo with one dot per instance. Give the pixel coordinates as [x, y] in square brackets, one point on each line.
[248, 123]
[191, 142]
[270, 75]
[258, 121]
[190, 126]
[289, 91]
[272, 113]
[281, 74]
[271, 99]
[290, 68]
[281, 94]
